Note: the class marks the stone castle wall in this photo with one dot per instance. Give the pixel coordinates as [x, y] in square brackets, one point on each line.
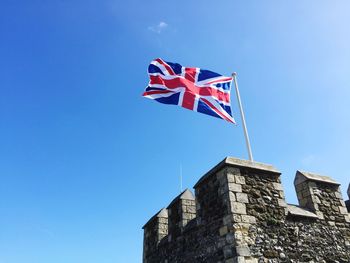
[239, 214]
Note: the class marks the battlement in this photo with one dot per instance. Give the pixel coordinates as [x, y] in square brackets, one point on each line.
[239, 214]
[181, 210]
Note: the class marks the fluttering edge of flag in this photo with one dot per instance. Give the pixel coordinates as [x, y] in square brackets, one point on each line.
[195, 89]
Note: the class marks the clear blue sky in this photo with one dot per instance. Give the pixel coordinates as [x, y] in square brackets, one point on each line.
[85, 160]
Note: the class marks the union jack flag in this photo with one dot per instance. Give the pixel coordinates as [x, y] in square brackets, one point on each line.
[195, 89]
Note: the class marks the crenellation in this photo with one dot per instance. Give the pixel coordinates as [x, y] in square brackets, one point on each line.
[180, 211]
[322, 195]
[239, 214]
[155, 230]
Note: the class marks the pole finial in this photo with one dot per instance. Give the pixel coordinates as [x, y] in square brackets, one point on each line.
[234, 74]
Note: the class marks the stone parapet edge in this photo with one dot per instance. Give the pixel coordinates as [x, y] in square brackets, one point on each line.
[235, 162]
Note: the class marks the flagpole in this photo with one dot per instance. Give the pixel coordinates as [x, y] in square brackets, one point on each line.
[234, 75]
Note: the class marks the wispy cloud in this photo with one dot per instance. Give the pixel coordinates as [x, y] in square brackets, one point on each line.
[158, 28]
[308, 160]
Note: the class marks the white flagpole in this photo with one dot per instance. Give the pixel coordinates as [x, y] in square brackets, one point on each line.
[234, 75]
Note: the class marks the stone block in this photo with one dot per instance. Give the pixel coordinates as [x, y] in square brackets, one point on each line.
[338, 195]
[243, 251]
[221, 243]
[227, 220]
[248, 219]
[228, 253]
[335, 208]
[242, 198]
[326, 203]
[311, 178]
[241, 228]
[237, 218]
[230, 238]
[223, 230]
[316, 200]
[240, 179]
[298, 211]
[347, 218]
[233, 171]
[281, 193]
[231, 178]
[278, 186]
[232, 196]
[238, 208]
[320, 215]
[239, 260]
[235, 187]
[238, 236]
[282, 202]
[343, 210]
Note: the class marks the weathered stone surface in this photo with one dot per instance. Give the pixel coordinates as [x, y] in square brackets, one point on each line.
[223, 230]
[242, 216]
[238, 163]
[240, 179]
[242, 198]
[303, 176]
[282, 203]
[238, 208]
[343, 210]
[278, 186]
[248, 219]
[180, 212]
[237, 188]
[298, 211]
[154, 231]
[243, 251]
